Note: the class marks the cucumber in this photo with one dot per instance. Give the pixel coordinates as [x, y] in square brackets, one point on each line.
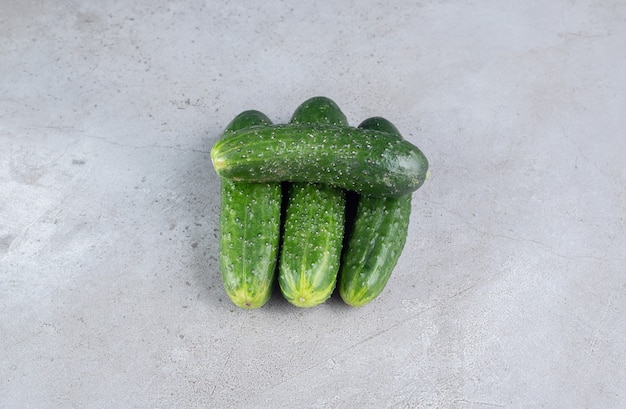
[314, 224]
[249, 231]
[319, 110]
[377, 237]
[367, 161]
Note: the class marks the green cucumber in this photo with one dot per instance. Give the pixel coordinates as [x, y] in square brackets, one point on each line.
[314, 224]
[249, 231]
[376, 240]
[367, 161]
[319, 110]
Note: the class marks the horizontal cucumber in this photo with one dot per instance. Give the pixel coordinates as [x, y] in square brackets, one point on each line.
[249, 231]
[367, 161]
[377, 237]
[314, 224]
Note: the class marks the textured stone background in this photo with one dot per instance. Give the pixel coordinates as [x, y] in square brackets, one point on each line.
[511, 290]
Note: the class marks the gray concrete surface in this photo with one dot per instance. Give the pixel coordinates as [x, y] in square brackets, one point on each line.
[510, 292]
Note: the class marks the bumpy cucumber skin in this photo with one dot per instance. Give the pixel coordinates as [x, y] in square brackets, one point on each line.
[249, 231]
[377, 238]
[367, 161]
[311, 249]
[314, 224]
[319, 110]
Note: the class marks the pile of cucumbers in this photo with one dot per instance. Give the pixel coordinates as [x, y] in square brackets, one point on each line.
[313, 204]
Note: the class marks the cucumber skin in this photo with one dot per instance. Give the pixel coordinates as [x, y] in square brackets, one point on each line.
[319, 110]
[311, 248]
[367, 161]
[249, 231]
[377, 238]
[314, 224]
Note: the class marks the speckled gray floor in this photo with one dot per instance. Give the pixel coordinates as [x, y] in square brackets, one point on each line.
[510, 292]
